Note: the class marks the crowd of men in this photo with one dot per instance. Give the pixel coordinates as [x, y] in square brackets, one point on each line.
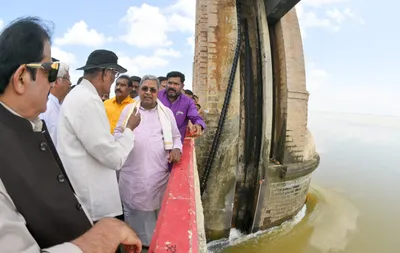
[82, 172]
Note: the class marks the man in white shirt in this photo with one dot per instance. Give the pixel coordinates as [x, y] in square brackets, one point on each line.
[39, 211]
[58, 91]
[89, 152]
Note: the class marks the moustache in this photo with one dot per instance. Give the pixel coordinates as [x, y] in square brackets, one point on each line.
[117, 91]
[171, 89]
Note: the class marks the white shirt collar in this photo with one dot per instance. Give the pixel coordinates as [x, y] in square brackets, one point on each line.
[89, 85]
[37, 124]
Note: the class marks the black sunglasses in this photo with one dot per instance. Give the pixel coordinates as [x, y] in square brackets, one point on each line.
[146, 89]
[50, 67]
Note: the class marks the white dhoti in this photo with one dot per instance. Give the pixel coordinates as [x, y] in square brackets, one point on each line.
[144, 176]
[143, 223]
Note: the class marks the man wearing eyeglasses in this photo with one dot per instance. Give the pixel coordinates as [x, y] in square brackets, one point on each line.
[90, 154]
[59, 89]
[144, 176]
[39, 211]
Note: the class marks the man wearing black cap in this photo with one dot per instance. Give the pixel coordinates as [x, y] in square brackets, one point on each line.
[39, 211]
[90, 154]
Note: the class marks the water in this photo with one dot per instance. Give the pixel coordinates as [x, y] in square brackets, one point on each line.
[354, 203]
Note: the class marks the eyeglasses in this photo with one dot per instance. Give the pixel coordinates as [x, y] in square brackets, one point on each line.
[50, 67]
[66, 78]
[115, 72]
[146, 89]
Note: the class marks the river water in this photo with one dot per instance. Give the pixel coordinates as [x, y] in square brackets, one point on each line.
[354, 201]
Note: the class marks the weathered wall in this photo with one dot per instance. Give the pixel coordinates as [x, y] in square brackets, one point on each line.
[216, 28]
[284, 184]
[294, 100]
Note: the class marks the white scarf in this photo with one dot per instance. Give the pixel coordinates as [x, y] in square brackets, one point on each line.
[164, 119]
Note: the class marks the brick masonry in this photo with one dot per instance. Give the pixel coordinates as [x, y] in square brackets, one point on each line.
[294, 99]
[215, 42]
[214, 46]
[283, 199]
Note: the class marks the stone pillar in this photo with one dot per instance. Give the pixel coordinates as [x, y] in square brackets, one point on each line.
[216, 34]
[294, 100]
[287, 154]
[284, 190]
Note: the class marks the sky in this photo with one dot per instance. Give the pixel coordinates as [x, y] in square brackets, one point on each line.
[350, 46]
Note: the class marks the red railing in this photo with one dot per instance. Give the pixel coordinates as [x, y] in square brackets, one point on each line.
[176, 229]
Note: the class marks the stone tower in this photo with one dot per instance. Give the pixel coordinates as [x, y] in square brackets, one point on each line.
[259, 169]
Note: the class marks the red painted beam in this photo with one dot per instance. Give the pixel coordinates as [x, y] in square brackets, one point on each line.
[176, 229]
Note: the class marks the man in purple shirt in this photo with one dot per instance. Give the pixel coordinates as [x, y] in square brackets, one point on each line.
[182, 106]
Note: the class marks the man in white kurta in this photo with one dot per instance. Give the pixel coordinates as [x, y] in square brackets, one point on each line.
[144, 176]
[88, 150]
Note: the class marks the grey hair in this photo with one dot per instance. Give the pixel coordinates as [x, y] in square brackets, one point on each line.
[150, 77]
[63, 69]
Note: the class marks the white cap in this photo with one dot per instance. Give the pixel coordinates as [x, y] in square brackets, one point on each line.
[64, 69]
